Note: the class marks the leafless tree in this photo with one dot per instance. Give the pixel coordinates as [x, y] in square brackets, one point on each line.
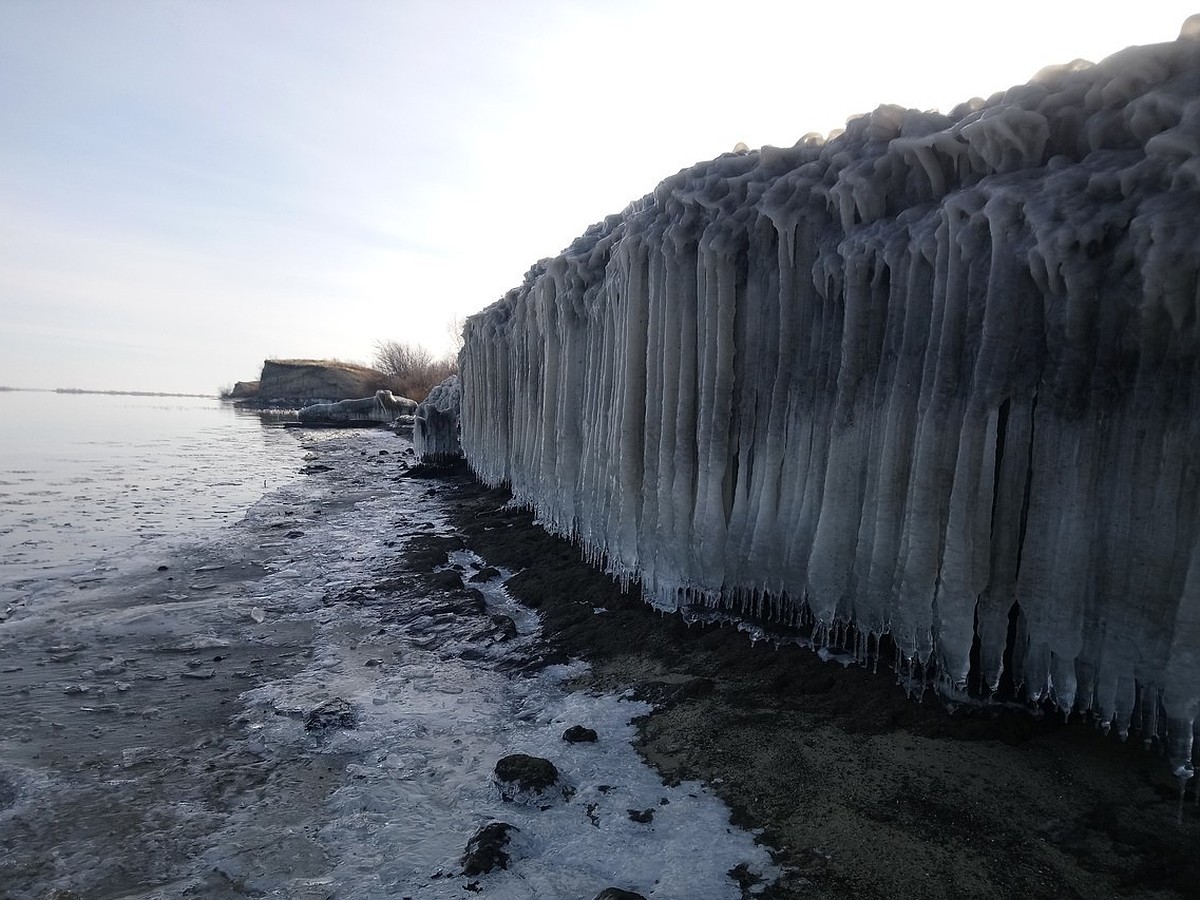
[412, 370]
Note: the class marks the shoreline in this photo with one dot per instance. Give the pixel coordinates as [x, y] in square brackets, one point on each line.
[178, 696]
[858, 790]
[164, 736]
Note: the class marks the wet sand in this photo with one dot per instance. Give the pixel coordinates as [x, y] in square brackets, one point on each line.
[859, 790]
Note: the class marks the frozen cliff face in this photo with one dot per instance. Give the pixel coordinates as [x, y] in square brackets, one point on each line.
[937, 370]
[436, 423]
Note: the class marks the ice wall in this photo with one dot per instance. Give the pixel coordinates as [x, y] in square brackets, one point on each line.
[903, 379]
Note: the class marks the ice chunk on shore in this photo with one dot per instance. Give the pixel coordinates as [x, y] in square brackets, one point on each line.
[435, 425]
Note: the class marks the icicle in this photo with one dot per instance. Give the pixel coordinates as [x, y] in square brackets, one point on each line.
[904, 381]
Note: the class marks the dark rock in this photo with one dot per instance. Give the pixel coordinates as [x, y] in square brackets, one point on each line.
[335, 713]
[467, 604]
[503, 628]
[528, 773]
[577, 734]
[486, 849]
[448, 579]
[485, 575]
[641, 816]
[294, 534]
[618, 894]
[745, 879]
[164, 568]
[313, 469]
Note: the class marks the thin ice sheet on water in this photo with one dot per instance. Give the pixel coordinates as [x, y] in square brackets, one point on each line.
[245, 798]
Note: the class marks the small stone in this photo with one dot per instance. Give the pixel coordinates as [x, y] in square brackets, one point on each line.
[528, 773]
[335, 713]
[642, 816]
[578, 734]
[618, 894]
[486, 849]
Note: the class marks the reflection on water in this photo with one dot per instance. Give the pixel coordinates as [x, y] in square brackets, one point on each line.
[85, 478]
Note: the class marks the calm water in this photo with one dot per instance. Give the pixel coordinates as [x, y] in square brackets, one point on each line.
[88, 481]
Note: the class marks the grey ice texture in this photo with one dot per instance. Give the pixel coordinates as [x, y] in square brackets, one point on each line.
[436, 423]
[383, 407]
[902, 378]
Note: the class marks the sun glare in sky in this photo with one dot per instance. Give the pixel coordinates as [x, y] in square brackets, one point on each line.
[188, 188]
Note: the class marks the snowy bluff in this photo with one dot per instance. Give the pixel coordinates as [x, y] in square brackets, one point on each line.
[935, 378]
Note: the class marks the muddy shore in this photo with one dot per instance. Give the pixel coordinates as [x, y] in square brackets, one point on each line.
[858, 790]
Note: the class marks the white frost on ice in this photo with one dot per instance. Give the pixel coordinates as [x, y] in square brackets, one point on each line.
[906, 378]
[432, 723]
[435, 425]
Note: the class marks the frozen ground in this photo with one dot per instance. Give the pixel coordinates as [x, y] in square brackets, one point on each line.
[154, 742]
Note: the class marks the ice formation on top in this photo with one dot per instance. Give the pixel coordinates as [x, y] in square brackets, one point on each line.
[913, 379]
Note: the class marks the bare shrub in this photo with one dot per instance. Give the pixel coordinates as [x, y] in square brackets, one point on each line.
[412, 370]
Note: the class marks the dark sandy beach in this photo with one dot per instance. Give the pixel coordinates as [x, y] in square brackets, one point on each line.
[859, 791]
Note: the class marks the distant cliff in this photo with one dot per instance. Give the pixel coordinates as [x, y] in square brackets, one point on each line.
[301, 382]
[242, 390]
[936, 379]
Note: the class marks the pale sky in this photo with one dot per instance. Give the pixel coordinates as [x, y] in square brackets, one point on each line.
[188, 188]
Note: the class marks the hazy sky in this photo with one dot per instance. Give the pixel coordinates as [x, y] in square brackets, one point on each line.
[187, 188]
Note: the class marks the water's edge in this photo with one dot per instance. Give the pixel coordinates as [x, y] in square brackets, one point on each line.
[160, 738]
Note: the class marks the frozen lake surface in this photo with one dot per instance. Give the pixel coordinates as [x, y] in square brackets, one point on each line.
[155, 740]
[88, 481]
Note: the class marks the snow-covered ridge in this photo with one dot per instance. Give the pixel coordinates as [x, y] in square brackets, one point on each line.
[905, 378]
